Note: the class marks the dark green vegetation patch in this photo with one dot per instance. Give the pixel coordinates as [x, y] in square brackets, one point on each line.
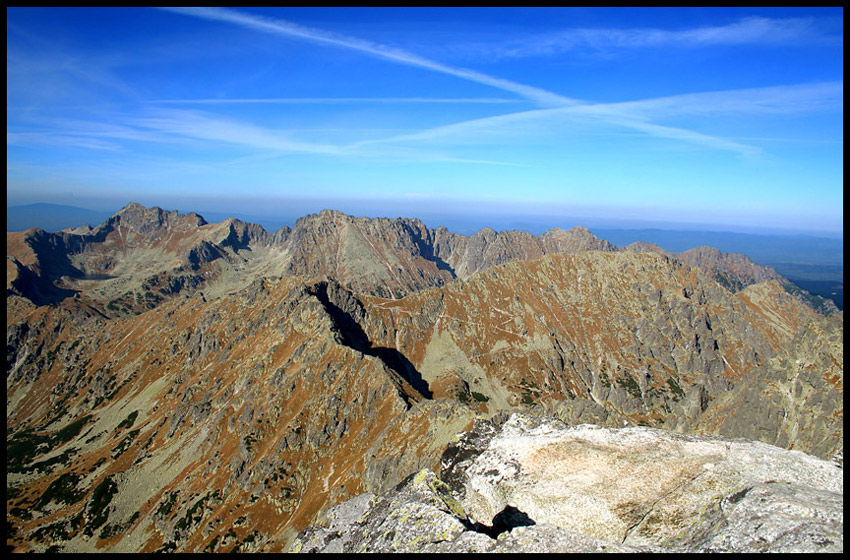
[62, 490]
[128, 422]
[24, 446]
[98, 508]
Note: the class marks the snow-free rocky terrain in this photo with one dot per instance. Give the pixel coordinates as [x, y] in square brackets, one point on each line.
[538, 485]
[175, 385]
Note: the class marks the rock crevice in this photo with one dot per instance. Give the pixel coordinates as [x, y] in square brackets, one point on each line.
[344, 309]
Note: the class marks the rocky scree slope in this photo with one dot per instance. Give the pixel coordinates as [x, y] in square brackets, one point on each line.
[177, 385]
[219, 425]
[614, 337]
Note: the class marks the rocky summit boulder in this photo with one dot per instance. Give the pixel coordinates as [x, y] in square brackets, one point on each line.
[422, 515]
[538, 485]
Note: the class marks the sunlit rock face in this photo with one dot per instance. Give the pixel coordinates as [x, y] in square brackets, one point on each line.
[643, 486]
[538, 485]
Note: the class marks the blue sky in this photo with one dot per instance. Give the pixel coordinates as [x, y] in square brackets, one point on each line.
[728, 117]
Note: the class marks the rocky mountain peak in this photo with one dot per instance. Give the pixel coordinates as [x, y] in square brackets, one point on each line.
[577, 238]
[145, 220]
[646, 247]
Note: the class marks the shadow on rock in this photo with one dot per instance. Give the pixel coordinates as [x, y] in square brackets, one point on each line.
[352, 335]
[504, 521]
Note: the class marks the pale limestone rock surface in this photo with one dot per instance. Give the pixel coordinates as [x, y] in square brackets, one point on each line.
[538, 485]
[648, 487]
[421, 515]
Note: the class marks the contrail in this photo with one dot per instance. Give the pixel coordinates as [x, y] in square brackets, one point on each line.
[546, 100]
[282, 27]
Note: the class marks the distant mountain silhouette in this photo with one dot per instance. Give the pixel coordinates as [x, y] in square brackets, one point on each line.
[815, 263]
[51, 217]
[767, 250]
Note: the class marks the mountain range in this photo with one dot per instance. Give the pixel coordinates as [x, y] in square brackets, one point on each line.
[814, 263]
[177, 385]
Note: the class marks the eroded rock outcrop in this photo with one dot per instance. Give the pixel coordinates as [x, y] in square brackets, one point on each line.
[795, 401]
[538, 485]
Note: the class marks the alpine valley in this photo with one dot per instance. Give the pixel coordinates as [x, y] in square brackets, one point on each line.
[178, 385]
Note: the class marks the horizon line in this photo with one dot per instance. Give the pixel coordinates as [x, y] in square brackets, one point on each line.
[597, 222]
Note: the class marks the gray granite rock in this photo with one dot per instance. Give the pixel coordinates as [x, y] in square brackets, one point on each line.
[538, 485]
[648, 487]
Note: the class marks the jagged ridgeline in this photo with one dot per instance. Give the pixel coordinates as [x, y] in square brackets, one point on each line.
[175, 385]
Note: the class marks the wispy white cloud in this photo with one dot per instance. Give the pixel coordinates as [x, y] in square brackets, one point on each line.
[201, 126]
[637, 115]
[58, 139]
[747, 31]
[675, 133]
[542, 97]
[776, 100]
[163, 127]
[538, 122]
[292, 30]
[175, 126]
[49, 76]
[752, 30]
[105, 132]
[340, 100]
[207, 127]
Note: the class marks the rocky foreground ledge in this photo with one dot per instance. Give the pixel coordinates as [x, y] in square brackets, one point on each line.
[539, 485]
